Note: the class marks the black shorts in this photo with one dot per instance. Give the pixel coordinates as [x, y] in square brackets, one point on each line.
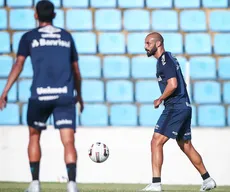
[63, 110]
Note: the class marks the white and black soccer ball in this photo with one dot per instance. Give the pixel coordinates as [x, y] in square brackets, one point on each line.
[98, 152]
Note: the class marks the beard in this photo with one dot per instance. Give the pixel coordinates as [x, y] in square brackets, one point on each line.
[152, 51]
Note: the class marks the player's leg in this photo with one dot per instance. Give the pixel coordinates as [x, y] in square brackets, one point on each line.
[70, 156]
[70, 153]
[65, 120]
[157, 143]
[160, 137]
[34, 152]
[196, 160]
[37, 115]
[163, 131]
[185, 144]
[193, 155]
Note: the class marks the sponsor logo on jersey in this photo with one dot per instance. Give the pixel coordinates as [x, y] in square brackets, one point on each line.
[44, 42]
[51, 90]
[49, 29]
[48, 98]
[58, 36]
[50, 32]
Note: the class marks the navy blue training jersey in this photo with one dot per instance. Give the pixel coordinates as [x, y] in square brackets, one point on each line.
[168, 67]
[52, 51]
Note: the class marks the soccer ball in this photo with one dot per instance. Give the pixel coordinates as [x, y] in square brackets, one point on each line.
[98, 152]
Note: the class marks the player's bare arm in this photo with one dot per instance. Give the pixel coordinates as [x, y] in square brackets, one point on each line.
[77, 76]
[77, 80]
[170, 88]
[13, 76]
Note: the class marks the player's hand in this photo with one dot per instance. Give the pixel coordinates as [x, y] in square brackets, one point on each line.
[3, 101]
[157, 103]
[80, 101]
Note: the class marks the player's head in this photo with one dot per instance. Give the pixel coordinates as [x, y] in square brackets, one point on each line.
[153, 42]
[45, 11]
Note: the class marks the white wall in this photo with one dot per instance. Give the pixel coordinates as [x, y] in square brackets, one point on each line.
[129, 160]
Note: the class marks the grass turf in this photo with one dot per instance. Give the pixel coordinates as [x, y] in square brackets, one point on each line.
[61, 187]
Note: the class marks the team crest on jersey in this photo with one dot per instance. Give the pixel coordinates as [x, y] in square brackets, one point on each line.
[49, 29]
[163, 60]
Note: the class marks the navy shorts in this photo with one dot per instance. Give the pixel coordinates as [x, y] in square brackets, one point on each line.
[63, 110]
[175, 124]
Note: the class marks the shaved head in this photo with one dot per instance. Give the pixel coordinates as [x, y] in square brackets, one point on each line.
[153, 42]
[156, 36]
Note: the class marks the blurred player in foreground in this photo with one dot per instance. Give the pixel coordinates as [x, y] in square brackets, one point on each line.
[175, 121]
[56, 76]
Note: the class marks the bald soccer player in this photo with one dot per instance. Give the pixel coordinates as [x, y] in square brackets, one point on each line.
[175, 120]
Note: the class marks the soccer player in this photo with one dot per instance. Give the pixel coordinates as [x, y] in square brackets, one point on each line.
[175, 121]
[56, 77]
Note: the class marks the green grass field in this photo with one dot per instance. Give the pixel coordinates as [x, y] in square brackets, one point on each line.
[58, 187]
